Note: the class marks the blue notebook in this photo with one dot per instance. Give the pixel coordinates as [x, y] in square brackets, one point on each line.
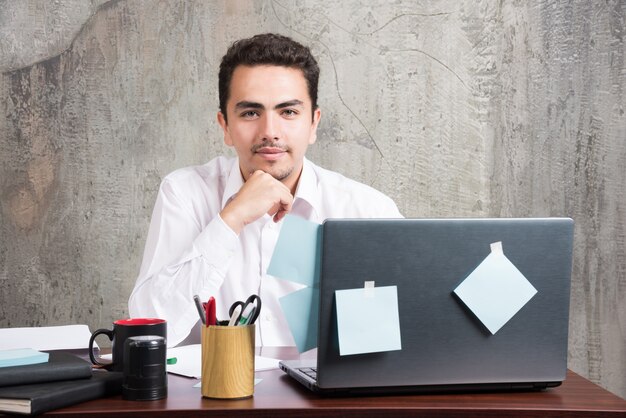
[22, 357]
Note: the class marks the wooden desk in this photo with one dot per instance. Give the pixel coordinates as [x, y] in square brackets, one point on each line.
[279, 396]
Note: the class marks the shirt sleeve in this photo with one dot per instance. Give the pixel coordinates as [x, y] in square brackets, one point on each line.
[375, 204]
[388, 208]
[181, 259]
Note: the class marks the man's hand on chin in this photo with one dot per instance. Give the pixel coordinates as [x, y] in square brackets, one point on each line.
[261, 194]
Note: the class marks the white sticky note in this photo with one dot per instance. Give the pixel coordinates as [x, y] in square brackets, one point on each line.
[496, 290]
[368, 320]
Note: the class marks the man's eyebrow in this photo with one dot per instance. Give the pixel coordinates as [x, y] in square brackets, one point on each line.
[248, 105]
[244, 104]
[290, 103]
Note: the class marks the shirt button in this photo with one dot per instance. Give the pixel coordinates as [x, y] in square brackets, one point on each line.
[268, 317]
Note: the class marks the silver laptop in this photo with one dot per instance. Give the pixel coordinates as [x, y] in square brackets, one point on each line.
[444, 345]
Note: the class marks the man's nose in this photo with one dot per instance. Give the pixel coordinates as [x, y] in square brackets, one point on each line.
[270, 126]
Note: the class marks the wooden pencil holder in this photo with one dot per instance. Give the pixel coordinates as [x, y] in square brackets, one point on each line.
[228, 361]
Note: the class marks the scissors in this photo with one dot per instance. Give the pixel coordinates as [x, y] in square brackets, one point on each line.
[253, 307]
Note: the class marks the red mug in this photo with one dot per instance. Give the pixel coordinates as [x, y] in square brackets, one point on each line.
[122, 329]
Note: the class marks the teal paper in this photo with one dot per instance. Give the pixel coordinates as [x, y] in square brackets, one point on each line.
[368, 320]
[296, 256]
[22, 357]
[496, 290]
[301, 308]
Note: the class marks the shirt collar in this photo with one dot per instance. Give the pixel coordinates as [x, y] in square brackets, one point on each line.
[307, 189]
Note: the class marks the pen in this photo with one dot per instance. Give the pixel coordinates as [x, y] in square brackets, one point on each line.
[250, 319]
[247, 313]
[235, 316]
[211, 318]
[196, 299]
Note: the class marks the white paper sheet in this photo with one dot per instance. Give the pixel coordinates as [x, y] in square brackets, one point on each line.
[65, 337]
[189, 361]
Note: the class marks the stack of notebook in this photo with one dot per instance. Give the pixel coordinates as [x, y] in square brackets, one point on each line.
[38, 382]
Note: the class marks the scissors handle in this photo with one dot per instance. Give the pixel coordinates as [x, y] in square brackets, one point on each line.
[252, 300]
[233, 306]
[256, 300]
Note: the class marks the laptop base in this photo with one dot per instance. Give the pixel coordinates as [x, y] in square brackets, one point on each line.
[293, 369]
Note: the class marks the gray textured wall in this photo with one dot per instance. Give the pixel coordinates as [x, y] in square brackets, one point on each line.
[453, 108]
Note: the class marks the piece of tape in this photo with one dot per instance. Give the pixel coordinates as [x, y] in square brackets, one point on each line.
[369, 289]
[496, 247]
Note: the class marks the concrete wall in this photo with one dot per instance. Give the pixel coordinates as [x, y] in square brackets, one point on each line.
[453, 108]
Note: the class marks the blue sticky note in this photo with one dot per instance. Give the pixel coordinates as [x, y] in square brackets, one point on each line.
[301, 310]
[296, 255]
[22, 357]
[368, 320]
[496, 290]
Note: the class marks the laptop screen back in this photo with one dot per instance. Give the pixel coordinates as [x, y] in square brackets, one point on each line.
[443, 342]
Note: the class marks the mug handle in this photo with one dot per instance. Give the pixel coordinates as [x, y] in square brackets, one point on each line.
[109, 334]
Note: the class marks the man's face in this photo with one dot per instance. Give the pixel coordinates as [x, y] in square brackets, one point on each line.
[269, 121]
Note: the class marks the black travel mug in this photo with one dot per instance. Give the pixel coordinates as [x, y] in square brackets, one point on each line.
[145, 374]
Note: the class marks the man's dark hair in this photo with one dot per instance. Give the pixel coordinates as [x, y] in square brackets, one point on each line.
[268, 49]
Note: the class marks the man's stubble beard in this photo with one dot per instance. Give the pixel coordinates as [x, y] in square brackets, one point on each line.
[278, 175]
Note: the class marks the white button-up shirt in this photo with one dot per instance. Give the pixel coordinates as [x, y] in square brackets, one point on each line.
[190, 250]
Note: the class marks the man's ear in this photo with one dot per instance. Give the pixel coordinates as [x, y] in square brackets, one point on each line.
[222, 121]
[317, 115]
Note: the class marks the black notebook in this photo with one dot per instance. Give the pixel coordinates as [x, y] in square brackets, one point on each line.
[60, 366]
[41, 397]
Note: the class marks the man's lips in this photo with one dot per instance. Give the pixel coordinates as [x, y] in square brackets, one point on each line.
[270, 150]
[270, 153]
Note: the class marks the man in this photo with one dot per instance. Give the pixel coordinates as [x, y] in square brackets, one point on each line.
[214, 227]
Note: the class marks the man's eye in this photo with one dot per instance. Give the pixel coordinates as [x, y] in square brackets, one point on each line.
[289, 112]
[249, 114]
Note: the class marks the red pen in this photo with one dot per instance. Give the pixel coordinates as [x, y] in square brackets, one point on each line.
[210, 308]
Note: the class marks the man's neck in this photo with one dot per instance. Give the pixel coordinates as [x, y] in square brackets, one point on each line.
[292, 181]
